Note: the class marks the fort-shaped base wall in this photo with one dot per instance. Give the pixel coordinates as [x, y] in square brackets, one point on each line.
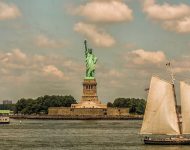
[66, 111]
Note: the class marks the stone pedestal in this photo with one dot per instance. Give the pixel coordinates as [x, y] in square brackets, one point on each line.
[89, 98]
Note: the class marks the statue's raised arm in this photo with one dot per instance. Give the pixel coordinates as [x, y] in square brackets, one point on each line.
[86, 48]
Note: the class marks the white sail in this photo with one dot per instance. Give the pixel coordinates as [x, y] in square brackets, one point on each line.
[160, 114]
[185, 107]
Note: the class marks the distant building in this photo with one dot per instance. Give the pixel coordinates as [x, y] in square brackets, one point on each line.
[4, 112]
[7, 101]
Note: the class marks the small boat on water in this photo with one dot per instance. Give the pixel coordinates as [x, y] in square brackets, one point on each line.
[167, 141]
[162, 118]
[4, 120]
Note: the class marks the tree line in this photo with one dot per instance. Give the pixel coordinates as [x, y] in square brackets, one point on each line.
[40, 105]
[136, 106]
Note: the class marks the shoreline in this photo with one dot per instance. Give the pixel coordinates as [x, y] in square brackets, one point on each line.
[48, 117]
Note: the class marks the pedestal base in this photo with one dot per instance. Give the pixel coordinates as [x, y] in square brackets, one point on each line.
[89, 104]
[89, 98]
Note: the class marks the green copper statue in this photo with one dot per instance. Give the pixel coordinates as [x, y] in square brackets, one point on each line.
[90, 60]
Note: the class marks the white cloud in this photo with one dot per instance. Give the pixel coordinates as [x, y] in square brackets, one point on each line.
[8, 11]
[33, 75]
[130, 46]
[181, 25]
[114, 73]
[52, 70]
[13, 58]
[141, 56]
[17, 63]
[110, 73]
[181, 69]
[165, 11]
[147, 63]
[181, 65]
[105, 11]
[172, 17]
[98, 36]
[45, 42]
[19, 54]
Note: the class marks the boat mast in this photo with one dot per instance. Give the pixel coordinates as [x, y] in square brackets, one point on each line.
[169, 69]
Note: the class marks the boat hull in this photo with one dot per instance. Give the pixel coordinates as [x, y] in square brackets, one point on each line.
[4, 122]
[176, 141]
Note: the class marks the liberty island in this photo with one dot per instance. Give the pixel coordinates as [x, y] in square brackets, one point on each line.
[89, 105]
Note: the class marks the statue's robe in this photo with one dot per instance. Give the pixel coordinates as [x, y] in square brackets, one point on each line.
[90, 64]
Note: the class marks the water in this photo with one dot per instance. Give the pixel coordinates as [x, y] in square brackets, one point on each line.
[75, 135]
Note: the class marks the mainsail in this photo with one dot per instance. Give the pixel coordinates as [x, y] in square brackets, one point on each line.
[185, 107]
[160, 114]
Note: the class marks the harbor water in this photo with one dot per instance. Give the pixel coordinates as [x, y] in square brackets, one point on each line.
[75, 135]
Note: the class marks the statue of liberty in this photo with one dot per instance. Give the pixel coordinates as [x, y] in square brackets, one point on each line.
[90, 60]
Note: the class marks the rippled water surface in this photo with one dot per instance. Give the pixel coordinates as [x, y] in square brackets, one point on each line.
[75, 135]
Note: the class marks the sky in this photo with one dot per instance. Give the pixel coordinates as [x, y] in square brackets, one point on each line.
[42, 46]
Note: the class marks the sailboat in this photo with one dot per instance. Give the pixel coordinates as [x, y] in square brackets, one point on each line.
[162, 118]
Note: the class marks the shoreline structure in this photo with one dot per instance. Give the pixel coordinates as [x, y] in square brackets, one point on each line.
[49, 117]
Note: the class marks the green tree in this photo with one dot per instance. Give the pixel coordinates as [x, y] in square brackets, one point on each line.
[20, 105]
[122, 102]
[136, 106]
[109, 104]
[41, 104]
[141, 106]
